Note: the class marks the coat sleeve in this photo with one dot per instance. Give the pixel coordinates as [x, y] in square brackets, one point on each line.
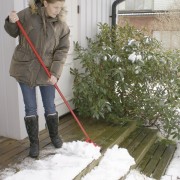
[12, 28]
[60, 53]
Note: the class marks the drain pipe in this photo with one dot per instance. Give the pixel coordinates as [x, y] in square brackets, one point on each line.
[114, 5]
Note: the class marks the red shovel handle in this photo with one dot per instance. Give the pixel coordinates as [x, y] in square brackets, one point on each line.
[49, 75]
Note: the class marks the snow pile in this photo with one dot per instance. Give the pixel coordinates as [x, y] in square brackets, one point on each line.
[65, 164]
[136, 175]
[115, 164]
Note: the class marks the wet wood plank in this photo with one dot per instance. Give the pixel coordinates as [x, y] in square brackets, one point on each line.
[2, 139]
[164, 161]
[122, 133]
[143, 163]
[137, 141]
[144, 145]
[131, 138]
[154, 160]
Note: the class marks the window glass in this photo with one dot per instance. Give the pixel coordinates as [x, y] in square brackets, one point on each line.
[175, 40]
[129, 4]
[148, 4]
[166, 38]
[169, 39]
[139, 4]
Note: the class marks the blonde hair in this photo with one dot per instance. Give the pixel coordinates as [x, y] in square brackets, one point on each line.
[33, 4]
[51, 1]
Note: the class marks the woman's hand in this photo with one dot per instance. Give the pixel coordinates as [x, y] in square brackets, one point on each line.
[53, 80]
[13, 17]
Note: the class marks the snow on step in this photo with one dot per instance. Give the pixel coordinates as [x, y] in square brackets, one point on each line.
[115, 164]
[134, 174]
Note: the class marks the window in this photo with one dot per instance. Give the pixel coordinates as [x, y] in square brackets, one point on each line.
[169, 39]
[139, 4]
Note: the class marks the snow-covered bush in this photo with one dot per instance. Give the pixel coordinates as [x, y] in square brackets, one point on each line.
[128, 76]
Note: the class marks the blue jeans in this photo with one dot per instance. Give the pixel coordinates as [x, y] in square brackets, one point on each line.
[29, 97]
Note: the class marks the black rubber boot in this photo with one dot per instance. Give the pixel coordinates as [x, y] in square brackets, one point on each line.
[52, 124]
[32, 128]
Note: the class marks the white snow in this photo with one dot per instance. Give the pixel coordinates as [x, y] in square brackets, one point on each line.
[115, 164]
[139, 57]
[136, 175]
[65, 164]
[135, 57]
[130, 42]
[132, 57]
[73, 157]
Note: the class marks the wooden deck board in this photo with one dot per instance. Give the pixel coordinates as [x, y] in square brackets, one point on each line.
[137, 141]
[154, 160]
[121, 134]
[131, 138]
[8, 145]
[140, 151]
[141, 165]
[164, 161]
[22, 153]
[2, 139]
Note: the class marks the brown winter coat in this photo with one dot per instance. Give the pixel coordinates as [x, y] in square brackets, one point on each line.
[50, 37]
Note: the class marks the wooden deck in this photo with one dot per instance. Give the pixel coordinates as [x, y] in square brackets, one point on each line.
[142, 144]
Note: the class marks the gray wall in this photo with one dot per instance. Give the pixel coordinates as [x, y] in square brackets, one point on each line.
[9, 109]
[91, 13]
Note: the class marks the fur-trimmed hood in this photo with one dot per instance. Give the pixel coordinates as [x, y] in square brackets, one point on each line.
[34, 6]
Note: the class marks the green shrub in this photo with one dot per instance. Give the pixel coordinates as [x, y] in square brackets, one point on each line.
[127, 75]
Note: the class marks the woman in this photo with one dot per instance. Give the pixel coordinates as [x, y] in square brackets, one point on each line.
[44, 23]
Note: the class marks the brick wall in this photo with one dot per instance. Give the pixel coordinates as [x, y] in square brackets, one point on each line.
[138, 21]
[169, 38]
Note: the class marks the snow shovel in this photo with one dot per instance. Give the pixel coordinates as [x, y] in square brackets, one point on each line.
[55, 85]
